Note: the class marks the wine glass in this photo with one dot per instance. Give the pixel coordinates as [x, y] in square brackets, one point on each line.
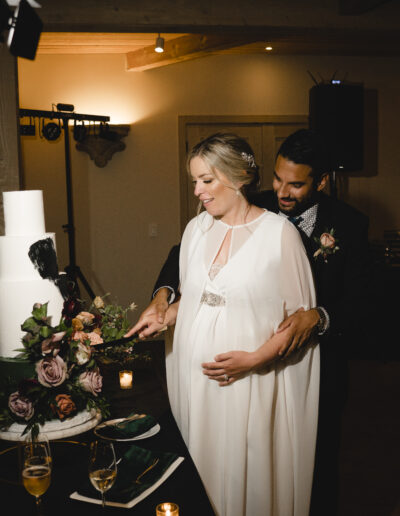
[102, 467]
[36, 469]
[44, 440]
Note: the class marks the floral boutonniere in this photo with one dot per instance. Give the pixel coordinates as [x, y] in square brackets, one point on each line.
[327, 245]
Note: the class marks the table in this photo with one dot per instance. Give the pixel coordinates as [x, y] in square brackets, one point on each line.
[70, 459]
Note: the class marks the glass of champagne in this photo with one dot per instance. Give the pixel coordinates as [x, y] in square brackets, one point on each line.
[36, 469]
[102, 467]
[44, 440]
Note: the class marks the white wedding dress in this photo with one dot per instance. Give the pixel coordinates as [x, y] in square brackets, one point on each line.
[253, 441]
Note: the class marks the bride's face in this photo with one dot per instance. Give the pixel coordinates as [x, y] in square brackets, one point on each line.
[217, 193]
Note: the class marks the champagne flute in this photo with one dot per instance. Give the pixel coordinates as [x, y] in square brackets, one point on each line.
[36, 469]
[102, 467]
[42, 439]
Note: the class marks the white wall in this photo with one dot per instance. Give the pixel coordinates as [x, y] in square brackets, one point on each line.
[115, 204]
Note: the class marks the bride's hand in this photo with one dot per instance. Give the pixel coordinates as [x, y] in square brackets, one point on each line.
[229, 367]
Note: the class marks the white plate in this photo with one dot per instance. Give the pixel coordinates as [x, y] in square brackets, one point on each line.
[149, 433]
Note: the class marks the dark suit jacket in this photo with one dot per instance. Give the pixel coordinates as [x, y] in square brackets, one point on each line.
[341, 283]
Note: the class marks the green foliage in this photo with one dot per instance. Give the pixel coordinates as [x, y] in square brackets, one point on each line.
[67, 341]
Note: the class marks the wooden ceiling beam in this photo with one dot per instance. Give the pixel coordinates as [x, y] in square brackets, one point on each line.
[184, 48]
[288, 41]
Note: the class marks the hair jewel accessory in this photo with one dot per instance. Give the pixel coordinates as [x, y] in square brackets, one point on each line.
[249, 158]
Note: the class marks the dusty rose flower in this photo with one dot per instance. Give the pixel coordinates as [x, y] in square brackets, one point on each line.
[85, 317]
[97, 330]
[51, 371]
[327, 240]
[80, 336]
[52, 344]
[64, 406]
[77, 324]
[83, 353]
[91, 381]
[98, 302]
[20, 406]
[94, 338]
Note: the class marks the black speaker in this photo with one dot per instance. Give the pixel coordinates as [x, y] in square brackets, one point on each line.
[336, 111]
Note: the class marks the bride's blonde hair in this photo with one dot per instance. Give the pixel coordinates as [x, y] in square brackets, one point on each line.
[231, 155]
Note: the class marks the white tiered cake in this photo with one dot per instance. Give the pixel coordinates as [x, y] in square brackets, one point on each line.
[21, 286]
[20, 282]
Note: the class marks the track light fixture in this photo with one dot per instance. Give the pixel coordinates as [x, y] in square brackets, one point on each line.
[159, 44]
[51, 131]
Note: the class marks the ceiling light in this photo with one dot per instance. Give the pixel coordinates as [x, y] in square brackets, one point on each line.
[269, 48]
[159, 44]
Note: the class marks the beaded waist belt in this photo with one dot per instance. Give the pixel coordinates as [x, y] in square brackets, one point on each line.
[208, 298]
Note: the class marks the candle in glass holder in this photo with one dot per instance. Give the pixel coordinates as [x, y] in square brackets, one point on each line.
[125, 379]
[167, 509]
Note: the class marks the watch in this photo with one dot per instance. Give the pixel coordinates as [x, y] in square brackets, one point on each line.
[321, 325]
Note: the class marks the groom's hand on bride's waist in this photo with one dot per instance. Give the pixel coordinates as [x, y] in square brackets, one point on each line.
[300, 327]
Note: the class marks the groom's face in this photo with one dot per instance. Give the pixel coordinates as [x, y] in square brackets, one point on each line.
[294, 186]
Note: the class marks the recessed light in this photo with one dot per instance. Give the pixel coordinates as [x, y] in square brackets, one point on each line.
[268, 48]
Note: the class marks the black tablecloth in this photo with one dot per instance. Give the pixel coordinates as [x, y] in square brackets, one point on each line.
[70, 459]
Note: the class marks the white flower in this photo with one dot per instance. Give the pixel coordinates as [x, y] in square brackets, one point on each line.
[83, 353]
[98, 302]
[132, 306]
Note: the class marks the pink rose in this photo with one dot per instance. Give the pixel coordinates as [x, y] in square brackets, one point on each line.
[85, 317]
[20, 406]
[91, 381]
[51, 345]
[327, 240]
[80, 336]
[94, 338]
[51, 371]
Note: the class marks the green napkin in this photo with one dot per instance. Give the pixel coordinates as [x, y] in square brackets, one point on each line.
[128, 429]
[139, 473]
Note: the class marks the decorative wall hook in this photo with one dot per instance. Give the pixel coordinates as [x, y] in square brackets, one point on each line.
[102, 145]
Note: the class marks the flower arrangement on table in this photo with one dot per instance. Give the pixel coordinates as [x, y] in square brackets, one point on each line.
[67, 378]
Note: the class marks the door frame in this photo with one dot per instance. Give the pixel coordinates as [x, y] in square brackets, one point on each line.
[185, 120]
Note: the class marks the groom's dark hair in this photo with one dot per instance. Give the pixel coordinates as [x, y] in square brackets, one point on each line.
[306, 147]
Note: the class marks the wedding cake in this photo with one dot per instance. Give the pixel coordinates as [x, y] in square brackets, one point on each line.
[21, 284]
[29, 275]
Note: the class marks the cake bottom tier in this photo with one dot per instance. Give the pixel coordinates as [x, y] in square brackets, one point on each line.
[16, 303]
[56, 429]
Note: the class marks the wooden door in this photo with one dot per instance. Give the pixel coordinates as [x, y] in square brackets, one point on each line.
[264, 134]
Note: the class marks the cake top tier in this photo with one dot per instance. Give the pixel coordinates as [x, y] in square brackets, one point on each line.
[23, 213]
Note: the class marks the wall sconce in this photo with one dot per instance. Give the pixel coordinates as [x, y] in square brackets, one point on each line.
[159, 44]
[102, 146]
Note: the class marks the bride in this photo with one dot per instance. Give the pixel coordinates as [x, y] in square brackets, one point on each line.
[248, 419]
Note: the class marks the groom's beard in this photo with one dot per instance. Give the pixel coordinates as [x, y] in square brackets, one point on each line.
[297, 206]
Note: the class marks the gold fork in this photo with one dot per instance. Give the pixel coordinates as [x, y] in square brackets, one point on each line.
[137, 481]
[121, 424]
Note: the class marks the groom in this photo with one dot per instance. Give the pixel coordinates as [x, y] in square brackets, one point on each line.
[335, 236]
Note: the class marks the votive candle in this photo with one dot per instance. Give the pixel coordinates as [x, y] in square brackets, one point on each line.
[167, 509]
[125, 379]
